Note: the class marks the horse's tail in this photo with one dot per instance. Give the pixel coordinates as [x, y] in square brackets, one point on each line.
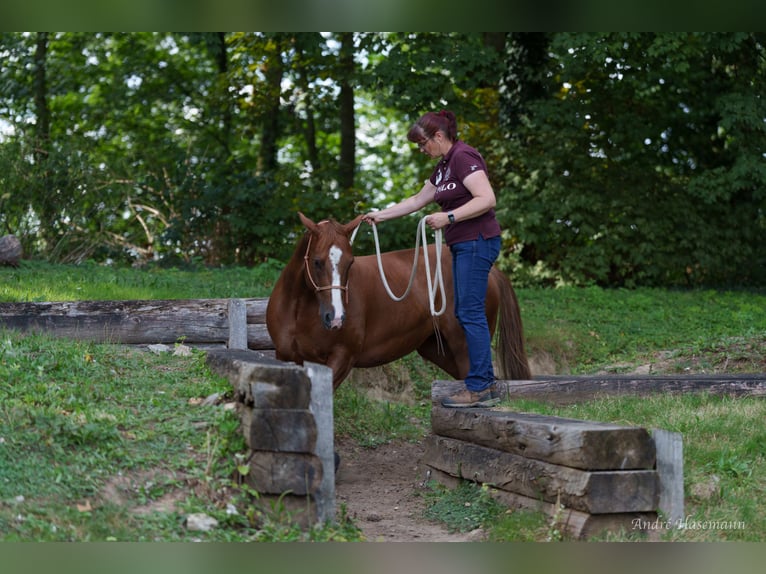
[511, 356]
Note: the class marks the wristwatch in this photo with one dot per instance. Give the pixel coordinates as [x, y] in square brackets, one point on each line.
[451, 217]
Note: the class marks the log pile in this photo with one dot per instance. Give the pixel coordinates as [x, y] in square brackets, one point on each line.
[592, 477]
[287, 422]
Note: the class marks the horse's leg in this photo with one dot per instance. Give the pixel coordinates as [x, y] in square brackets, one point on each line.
[341, 364]
[452, 358]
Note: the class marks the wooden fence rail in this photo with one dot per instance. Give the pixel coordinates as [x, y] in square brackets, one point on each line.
[194, 321]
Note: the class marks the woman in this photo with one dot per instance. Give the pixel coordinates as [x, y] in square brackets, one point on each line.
[460, 185]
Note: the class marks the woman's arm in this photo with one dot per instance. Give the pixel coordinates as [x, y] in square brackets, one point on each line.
[404, 207]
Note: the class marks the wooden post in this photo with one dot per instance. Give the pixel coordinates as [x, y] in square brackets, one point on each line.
[237, 324]
[670, 468]
[322, 408]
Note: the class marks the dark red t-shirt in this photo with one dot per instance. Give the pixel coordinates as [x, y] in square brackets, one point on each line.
[461, 161]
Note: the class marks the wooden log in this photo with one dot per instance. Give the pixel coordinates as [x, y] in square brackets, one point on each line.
[568, 442]
[136, 322]
[261, 382]
[280, 472]
[256, 310]
[573, 523]
[258, 337]
[572, 389]
[280, 430]
[10, 250]
[594, 492]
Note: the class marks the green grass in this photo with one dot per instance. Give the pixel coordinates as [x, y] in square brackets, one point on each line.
[94, 439]
[37, 281]
[589, 329]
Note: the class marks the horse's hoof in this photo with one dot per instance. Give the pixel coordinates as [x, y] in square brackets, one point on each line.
[337, 461]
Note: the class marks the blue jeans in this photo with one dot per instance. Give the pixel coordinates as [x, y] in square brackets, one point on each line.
[471, 263]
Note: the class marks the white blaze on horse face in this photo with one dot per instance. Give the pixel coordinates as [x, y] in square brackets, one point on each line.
[337, 294]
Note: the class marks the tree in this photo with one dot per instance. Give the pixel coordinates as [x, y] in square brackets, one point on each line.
[641, 161]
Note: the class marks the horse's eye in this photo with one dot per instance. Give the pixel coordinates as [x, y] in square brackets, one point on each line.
[318, 264]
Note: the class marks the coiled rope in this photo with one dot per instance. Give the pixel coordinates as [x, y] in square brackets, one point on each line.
[434, 283]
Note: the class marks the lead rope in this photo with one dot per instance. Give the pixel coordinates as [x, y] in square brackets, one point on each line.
[435, 284]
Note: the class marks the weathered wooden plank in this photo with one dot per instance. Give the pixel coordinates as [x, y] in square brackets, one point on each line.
[573, 523]
[571, 389]
[568, 442]
[136, 322]
[278, 472]
[237, 324]
[279, 430]
[598, 492]
[131, 322]
[670, 468]
[261, 382]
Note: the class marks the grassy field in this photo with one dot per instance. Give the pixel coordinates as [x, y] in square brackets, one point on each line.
[97, 441]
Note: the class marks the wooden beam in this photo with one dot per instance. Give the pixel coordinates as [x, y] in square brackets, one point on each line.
[574, 523]
[573, 389]
[568, 442]
[593, 492]
[137, 322]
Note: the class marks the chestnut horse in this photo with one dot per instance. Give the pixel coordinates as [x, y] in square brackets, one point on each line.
[330, 307]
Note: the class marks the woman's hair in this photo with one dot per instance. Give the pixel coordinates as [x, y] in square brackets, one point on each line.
[432, 122]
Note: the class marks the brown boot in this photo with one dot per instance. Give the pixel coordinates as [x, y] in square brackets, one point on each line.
[465, 398]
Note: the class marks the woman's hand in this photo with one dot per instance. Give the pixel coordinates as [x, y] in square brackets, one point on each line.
[437, 220]
[372, 217]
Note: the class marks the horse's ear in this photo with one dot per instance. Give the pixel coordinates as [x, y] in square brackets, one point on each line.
[307, 223]
[350, 226]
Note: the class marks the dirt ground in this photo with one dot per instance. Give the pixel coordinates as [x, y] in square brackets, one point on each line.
[382, 489]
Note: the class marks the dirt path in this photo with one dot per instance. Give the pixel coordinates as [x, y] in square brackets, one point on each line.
[382, 489]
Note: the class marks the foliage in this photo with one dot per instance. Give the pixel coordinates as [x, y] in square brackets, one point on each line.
[465, 508]
[639, 161]
[618, 159]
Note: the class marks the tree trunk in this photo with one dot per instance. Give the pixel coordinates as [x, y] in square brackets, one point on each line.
[43, 120]
[274, 71]
[347, 163]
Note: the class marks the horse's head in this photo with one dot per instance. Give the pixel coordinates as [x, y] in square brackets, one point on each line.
[328, 259]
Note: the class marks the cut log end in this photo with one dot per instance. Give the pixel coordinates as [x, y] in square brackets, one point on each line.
[10, 251]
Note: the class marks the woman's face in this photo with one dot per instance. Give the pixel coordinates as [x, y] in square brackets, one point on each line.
[431, 146]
